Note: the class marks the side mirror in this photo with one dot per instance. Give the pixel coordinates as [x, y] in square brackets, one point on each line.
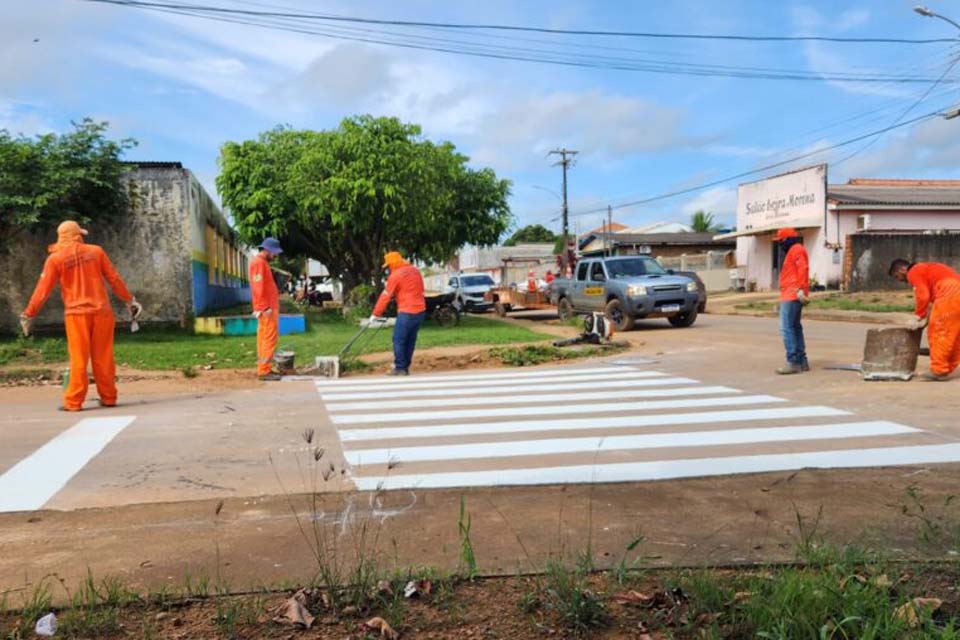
[670, 272]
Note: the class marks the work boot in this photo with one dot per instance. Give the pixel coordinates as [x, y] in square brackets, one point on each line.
[805, 366]
[929, 376]
[270, 377]
[789, 369]
[398, 372]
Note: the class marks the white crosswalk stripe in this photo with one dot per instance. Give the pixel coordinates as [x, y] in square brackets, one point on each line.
[540, 427]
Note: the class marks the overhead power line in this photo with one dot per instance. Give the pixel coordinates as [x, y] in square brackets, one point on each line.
[414, 41]
[763, 169]
[529, 29]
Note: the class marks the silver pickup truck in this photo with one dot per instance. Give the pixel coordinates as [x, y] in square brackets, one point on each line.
[627, 288]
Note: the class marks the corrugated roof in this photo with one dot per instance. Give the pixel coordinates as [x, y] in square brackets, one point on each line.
[867, 195]
[155, 164]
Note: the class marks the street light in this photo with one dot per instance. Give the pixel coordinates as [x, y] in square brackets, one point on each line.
[950, 115]
[928, 13]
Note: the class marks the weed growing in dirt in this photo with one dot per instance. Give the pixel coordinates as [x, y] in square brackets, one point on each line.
[567, 593]
[938, 525]
[95, 608]
[468, 561]
[189, 372]
[346, 554]
[38, 602]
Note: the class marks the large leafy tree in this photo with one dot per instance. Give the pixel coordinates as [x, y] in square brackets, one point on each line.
[530, 233]
[43, 180]
[346, 196]
[703, 222]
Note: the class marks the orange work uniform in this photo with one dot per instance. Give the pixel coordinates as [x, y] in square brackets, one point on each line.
[795, 273]
[939, 285]
[265, 295]
[80, 269]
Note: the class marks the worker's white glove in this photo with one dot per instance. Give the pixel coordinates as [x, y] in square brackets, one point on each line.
[917, 323]
[265, 312]
[25, 322]
[376, 320]
[135, 308]
[802, 297]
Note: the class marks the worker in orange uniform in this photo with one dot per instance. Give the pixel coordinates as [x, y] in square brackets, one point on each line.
[406, 284]
[266, 307]
[794, 295]
[80, 269]
[936, 291]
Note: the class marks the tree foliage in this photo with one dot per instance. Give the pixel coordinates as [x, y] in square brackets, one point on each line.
[703, 222]
[52, 177]
[346, 196]
[530, 233]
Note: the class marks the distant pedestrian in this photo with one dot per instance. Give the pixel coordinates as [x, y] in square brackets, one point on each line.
[406, 284]
[936, 292]
[80, 270]
[266, 307]
[794, 295]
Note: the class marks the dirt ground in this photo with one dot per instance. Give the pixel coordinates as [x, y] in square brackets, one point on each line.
[611, 606]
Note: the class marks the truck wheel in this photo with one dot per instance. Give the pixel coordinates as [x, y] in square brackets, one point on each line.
[564, 309]
[616, 314]
[684, 319]
[500, 308]
[447, 316]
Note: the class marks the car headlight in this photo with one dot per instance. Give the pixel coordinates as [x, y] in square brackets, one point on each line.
[636, 290]
[692, 287]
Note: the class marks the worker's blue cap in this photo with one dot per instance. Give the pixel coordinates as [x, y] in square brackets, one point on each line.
[272, 245]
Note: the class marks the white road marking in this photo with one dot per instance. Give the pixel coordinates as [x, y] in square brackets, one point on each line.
[560, 424]
[567, 409]
[668, 469]
[478, 386]
[30, 483]
[379, 381]
[625, 381]
[479, 450]
[538, 399]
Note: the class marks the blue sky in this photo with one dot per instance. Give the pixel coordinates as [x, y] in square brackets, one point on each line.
[182, 86]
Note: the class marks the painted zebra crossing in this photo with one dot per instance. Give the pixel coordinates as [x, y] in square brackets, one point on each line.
[595, 424]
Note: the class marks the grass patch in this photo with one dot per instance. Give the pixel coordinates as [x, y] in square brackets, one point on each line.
[534, 354]
[871, 302]
[885, 302]
[327, 333]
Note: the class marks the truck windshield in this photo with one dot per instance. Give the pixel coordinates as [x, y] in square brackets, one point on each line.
[477, 281]
[628, 267]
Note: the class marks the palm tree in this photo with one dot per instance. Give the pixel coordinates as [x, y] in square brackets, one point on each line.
[703, 222]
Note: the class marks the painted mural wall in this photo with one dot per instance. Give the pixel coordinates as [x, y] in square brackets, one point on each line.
[218, 262]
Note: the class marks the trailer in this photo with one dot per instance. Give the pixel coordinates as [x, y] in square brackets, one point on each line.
[507, 299]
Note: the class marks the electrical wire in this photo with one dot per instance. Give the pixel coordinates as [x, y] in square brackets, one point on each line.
[501, 27]
[526, 54]
[762, 169]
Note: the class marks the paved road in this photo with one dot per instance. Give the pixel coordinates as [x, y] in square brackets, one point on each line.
[699, 401]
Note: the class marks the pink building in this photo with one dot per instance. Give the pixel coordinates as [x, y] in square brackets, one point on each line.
[825, 215]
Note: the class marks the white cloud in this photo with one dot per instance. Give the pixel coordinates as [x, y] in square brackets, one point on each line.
[851, 19]
[20, 119]
[721, 201]
[604, 126]
[928, 149]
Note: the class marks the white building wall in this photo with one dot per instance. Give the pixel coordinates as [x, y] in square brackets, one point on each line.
[908, 220]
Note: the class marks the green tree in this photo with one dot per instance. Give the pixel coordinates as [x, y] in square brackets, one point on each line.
[346, 196]
[49, 178]
[703, 222]
[530, 233]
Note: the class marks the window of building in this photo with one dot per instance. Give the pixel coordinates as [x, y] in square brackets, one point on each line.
[210, 242]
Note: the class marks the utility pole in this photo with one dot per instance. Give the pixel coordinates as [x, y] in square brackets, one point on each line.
[610, 225]
[566, 158]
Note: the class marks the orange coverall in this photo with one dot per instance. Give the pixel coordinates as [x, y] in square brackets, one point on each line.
[939, 285]
[265, 295]
[80, 269]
